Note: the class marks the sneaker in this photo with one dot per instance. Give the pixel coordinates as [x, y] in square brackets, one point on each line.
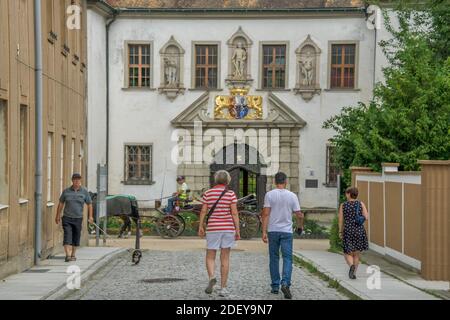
[211, 285]
[351, 272]
[287, 292]
[223, 292]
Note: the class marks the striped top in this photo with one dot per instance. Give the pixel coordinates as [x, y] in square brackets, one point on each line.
[221, 219]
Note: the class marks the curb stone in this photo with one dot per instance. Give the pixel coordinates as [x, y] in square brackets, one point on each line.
[86, 275]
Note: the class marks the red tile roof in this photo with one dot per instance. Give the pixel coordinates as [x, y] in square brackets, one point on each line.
[236, 4]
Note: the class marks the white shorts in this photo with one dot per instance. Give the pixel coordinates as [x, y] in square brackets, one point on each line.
[220, 240]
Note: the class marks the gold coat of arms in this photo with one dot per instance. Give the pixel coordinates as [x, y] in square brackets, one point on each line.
[238, 106]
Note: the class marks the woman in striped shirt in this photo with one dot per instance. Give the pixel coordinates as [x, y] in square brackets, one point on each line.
[222, 228]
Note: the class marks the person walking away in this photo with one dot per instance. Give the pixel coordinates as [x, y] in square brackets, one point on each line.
[352, 231]
[279, 206]
[222, 228]
[72, 200]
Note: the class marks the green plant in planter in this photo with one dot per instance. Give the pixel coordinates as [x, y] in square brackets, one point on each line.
[311, 227]
[335, 241]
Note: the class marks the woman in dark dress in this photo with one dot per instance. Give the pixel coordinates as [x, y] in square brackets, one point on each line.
[353, 235]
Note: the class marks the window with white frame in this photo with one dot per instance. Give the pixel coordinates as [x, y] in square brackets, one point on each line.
[62, 163]
[4, 194]
[332, 170]
[49, 166]
[72, 159]
[138, 164]
[23, 149]
[139, 65]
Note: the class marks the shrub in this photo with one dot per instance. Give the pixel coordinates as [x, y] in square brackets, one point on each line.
[335, 241]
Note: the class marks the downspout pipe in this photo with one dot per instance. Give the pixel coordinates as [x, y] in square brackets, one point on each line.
[374, 80]
[38, 132]
[108, 25]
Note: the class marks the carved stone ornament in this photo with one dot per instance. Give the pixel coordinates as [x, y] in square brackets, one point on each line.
[172, 66]
[238, 106]
[239, 53]
[308, 64]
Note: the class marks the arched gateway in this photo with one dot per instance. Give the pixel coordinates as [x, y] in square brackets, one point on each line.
[264, 146]
[246, 167]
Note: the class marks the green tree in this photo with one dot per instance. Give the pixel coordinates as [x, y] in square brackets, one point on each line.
[409, 116]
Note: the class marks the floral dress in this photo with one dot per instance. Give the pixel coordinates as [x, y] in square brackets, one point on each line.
[354, 236]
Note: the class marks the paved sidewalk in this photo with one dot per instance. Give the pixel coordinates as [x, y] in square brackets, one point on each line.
[48, 281]
[407, 274]
[334, 266]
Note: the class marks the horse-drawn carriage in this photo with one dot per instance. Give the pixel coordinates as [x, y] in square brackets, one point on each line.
[172, 225]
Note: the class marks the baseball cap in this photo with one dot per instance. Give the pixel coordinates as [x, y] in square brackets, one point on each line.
[76, 176]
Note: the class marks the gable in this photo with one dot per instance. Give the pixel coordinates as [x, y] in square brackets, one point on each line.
[279, 115]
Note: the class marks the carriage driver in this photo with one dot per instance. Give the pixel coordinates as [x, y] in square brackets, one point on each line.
[180, 195]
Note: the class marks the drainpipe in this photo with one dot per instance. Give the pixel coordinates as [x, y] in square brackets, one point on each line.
[38, 132]
[375, 63]
[108, 25]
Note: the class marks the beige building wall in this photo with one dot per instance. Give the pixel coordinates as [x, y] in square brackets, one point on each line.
[64, 92]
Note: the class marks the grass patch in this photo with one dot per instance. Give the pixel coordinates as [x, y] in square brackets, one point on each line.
[332, 283]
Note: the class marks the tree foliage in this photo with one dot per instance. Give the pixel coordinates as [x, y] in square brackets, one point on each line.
[409, 116]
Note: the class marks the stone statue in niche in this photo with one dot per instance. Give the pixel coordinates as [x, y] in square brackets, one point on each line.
[308, 73]
[307, 69]
[172, 64]
[239, 60]
[171, 71]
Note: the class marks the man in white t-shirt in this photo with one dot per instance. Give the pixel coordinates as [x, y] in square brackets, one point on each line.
[279, 206]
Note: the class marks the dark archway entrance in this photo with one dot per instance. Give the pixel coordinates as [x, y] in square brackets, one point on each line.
[244, 163]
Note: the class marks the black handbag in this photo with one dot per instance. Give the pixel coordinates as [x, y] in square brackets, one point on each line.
[359, 219]
[210, 212]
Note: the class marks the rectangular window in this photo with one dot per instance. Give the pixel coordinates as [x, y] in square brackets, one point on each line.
[274, 66]
[138, 167]
[4, 194]
[23, 149]
[72, 159]
[62, 164]
[331, 169]
[206, 66]
[49, 166]
[343, 57]
[82, 159]
[139, 65]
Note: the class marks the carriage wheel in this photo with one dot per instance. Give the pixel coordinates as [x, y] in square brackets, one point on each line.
[170, 226]
[249, 223]
[136, 256]
[183, 227]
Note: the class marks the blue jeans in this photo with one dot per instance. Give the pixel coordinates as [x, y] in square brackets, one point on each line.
[170, 205]
[283, 241]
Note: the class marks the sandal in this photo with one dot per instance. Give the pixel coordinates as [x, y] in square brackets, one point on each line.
[73, 258]
[67, 259]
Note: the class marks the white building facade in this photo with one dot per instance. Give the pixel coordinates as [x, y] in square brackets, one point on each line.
[168, 69]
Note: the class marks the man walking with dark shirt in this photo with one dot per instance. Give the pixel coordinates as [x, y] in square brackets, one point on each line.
[72, 200]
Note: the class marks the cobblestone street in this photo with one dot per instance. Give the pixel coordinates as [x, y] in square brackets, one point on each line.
[249, 279]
